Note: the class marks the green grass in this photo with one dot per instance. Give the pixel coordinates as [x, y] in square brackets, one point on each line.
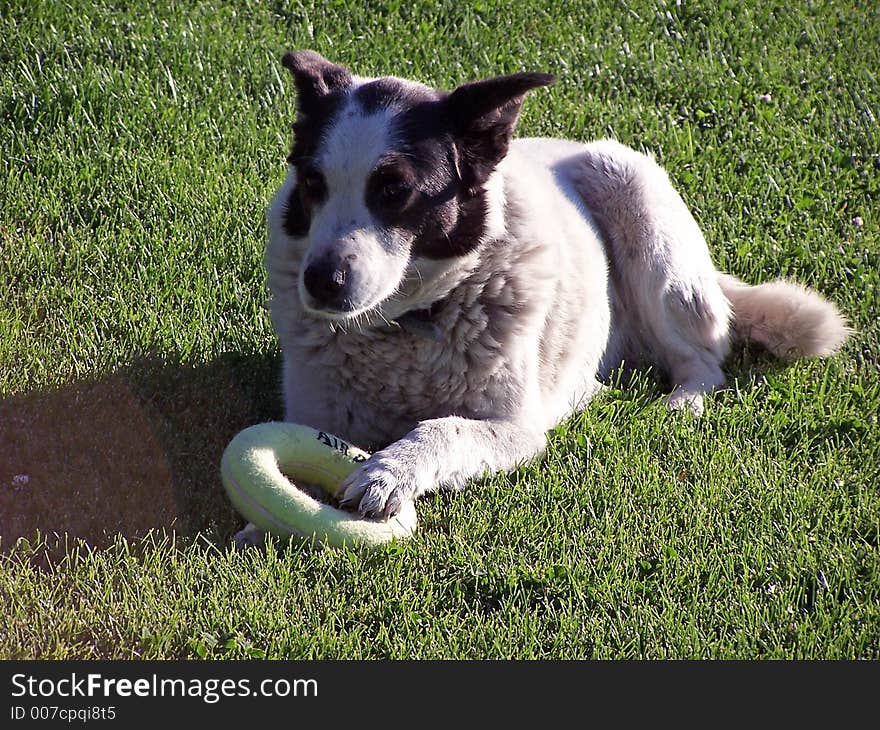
[139, 145]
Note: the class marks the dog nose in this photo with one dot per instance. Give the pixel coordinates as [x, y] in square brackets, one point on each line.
[326, 281]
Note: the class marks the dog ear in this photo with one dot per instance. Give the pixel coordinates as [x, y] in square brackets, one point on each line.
[484, 115]
[314, 76]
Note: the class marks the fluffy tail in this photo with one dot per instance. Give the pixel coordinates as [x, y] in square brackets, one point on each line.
[788, 319]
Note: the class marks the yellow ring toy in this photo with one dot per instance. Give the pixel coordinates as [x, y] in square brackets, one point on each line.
[253, 469]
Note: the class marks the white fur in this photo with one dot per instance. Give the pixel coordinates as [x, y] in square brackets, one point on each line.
[591, 258]
[785, 317]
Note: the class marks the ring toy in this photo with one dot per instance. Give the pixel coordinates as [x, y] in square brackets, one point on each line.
[253, 469]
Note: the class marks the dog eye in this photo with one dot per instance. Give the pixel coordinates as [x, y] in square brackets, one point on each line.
[314, 187]
[389, 192]
[392, 189]
[396, 190]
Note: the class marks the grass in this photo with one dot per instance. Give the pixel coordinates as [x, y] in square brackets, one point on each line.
[139, 145]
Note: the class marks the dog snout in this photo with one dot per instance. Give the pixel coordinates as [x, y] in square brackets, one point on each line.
[328, 282]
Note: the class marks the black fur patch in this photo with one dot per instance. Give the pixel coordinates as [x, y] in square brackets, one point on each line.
[297, 220]
[450, 216]
[321, 92]
[445, 148]
[391, 93]
[307, 131]
[315, 77]
[308, 128]
[483, 115]
[445, 217]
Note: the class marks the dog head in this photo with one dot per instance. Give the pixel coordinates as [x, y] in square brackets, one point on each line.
[388, 179]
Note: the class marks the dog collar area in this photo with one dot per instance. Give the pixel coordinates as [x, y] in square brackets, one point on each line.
[418, 322]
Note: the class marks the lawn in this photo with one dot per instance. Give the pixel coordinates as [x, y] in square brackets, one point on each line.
[139, 144]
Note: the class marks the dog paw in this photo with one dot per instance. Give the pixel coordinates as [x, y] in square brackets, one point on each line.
[686, 401]
[250, 536]
[379, 489]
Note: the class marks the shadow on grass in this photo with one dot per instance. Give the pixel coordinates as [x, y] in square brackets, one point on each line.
[135, 451]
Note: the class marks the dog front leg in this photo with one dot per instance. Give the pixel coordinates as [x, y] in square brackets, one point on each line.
[443, 452]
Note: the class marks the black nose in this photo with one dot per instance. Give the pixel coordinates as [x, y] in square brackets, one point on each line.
[327, 281]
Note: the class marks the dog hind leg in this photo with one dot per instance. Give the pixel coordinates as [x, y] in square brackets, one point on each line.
[668, 300]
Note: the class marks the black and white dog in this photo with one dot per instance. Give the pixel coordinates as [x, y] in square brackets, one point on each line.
[444, 294]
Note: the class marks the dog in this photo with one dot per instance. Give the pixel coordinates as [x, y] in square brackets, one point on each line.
[444, 294]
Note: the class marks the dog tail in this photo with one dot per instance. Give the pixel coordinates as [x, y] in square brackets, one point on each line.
[788, 319]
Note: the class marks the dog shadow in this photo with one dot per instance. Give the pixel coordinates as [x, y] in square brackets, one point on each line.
[132, 453]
